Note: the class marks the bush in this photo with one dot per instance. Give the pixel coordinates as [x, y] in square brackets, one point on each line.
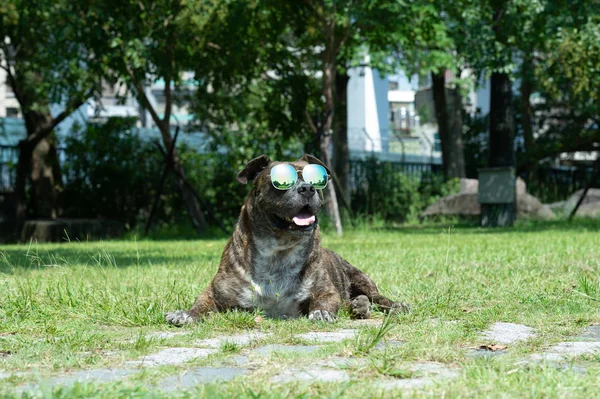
[111, 173]
[384, 190]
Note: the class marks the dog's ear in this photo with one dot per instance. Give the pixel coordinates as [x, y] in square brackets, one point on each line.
[315, 160]
[252, 169]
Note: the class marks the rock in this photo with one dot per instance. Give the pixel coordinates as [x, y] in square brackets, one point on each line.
[508, 333]
[557, 207]
[202, 375]
[268, 349]
[592, 196]
[468, 186]
[591, 333]
[172, 356]
[530, 207]
[461, 204]
[97, 376]
[521, 187]
[239, 339]
[565, 350]
[328, 336]
[590, 210]
[466, 203]
[313, 375]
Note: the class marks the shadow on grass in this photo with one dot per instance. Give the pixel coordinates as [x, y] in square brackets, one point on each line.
[19, 257]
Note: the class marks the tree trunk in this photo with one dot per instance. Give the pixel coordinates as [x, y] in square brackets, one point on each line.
[23, 170]
[191, 202]
[438, 84]
[502, 135]
[328, 82]
[46, 180]
[341, 154]
[456, 167]
[37, 164]
[331, 197]
[526, 165]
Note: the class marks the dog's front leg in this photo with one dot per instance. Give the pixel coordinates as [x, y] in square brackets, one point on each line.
[204, 304]
[324, 305]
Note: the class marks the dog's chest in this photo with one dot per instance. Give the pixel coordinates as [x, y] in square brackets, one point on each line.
[276, 285]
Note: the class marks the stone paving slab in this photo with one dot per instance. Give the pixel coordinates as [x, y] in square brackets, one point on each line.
[97, 376]
[201, 375]
[316, 374]
[591, 333]
[172, 356]
[269, 349]
[564, 350]
[431, 373]
[239, 339]
[328, 336]
[508, 333]
[167, 334]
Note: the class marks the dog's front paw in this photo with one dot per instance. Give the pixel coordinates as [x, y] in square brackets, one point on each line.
[400, 307]
[322, 315]
[179, 318]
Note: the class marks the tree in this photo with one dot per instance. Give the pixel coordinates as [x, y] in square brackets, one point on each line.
[45, 65]
[142, 43]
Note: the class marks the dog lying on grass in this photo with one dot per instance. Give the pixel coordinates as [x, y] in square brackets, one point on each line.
[274, 260]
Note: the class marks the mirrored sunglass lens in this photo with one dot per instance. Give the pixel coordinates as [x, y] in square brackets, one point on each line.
[315, 175]
[283, 176]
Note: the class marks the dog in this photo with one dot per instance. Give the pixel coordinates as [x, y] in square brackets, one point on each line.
[274, 260]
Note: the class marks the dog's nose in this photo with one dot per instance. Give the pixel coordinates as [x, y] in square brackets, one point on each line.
[306, 189]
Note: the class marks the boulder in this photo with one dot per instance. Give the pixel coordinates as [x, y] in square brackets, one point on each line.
[592, 196]
[590, 210]
[466, 203]
[461, 204]
[469, 185]
[529, 207]
[557, 207]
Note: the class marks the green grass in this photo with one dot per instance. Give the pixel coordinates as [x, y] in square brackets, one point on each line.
[73, 306]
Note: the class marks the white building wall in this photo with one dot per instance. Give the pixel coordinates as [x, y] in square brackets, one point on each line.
[368, 110]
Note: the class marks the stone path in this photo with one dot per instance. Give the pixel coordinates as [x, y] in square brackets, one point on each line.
[251, 355]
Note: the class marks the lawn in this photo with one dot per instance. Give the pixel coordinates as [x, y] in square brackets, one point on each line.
[76, 306]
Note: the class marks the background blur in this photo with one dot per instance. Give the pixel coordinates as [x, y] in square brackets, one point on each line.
[135, 116]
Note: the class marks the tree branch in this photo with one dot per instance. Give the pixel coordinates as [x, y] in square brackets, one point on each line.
[45, 130]
[164, 130]
[168, 100]
[310, 122]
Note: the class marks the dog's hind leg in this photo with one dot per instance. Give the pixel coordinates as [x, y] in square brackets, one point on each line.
[363, 292]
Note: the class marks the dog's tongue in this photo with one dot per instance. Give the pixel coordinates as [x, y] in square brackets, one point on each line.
[303, 219]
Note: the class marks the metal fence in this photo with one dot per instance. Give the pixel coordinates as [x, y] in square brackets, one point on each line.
[552, 184]
[549, 184]
[8, 161]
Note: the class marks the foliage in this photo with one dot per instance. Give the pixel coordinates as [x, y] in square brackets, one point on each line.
[111, 173]
[385, 190]
[43, 51]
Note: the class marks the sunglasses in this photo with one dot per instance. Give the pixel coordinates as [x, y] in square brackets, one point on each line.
[284, 176]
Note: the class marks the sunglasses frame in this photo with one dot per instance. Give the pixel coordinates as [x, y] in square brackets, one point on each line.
[298, 172]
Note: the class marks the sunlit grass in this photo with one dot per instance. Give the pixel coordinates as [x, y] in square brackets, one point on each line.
[74, 305]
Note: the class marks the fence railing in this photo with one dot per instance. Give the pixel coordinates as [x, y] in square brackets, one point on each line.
[549, 184]
[8, 162]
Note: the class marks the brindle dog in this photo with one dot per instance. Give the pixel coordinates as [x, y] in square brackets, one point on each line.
[279, 266]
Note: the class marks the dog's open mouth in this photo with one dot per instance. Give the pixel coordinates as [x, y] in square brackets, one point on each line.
[303, 220]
